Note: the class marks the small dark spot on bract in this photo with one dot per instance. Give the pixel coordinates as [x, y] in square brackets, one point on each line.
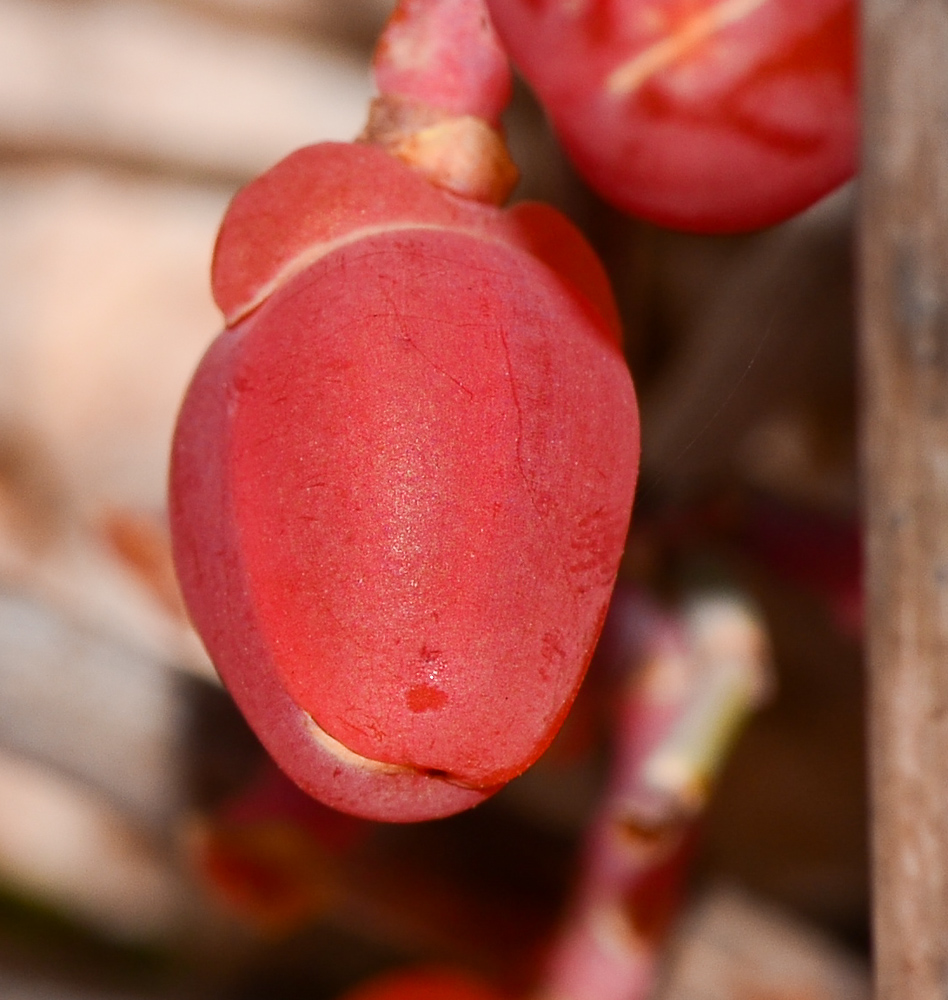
[425, 698]
[435, 772]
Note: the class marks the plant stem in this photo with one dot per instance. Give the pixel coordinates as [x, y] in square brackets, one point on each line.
[694, 678]
[443, 81]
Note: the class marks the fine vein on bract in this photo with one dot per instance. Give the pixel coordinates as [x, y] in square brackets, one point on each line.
[631, 75]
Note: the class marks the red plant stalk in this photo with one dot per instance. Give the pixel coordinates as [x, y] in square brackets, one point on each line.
[443, 81]
[695, 678]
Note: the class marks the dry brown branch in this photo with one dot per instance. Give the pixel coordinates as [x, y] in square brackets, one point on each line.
[905, 453]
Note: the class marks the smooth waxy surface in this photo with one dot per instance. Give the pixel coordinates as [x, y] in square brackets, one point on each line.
[708, 115]
[400, 489]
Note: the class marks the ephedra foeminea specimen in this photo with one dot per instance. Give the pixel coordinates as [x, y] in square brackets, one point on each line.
[402, 475]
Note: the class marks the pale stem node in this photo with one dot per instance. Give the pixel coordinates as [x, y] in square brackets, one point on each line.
[460, 153]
